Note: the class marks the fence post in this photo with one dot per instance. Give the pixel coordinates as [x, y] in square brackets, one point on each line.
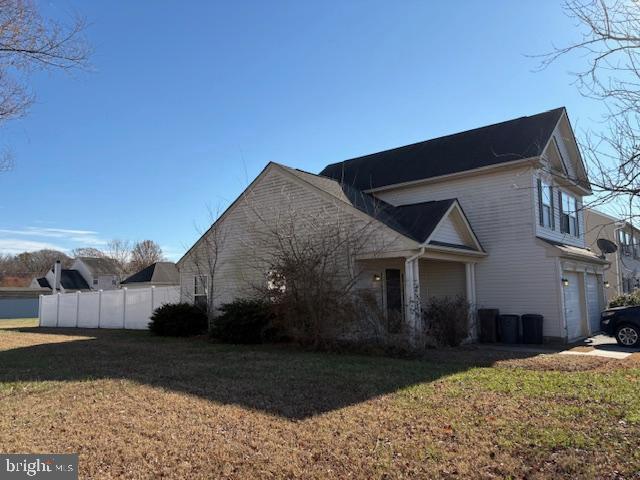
[57, 308]
[77, 307]
[40, 311]
[99, 306]
[124, 307]
[153, 291]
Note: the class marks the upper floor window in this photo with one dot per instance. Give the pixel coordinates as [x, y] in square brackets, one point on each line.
[625, 240]
[545, 204]
[568, 214]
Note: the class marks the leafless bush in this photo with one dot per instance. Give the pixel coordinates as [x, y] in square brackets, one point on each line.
[446, 320]
[311, 269]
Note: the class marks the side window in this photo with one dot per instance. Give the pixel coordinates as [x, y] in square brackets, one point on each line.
[200, 290]
[545, 205]
[95, 281]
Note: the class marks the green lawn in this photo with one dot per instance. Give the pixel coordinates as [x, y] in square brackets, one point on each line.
[136, 406]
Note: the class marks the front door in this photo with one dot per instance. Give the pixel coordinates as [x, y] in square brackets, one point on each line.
[393, 281]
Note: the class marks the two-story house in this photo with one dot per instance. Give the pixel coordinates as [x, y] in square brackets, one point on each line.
[493, 214]
[623, 275]
[86, 273]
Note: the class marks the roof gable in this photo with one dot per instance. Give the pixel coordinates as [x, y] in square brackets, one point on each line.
[100, 265]
[159, 272]
[517, 139]
[415, 221]
[452, 230]
[562, 155]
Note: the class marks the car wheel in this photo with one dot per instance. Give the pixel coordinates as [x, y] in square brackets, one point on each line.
[628, 336]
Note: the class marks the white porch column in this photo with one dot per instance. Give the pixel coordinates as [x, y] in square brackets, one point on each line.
[412, 310]
[470, 270]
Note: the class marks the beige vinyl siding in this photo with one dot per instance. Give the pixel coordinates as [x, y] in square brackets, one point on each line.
[442, 279]
[449, 232]
[517, 277]
[275, 195]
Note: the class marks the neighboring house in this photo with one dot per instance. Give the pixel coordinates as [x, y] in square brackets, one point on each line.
[159, 274]
[99, 272]
[63, 280]
[86, 273]
[493, 214]
[623, 276]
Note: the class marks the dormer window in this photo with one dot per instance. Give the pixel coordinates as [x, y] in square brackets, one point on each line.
[568, 214]
[545, 204]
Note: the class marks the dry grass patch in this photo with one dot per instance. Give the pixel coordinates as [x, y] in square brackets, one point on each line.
[135, 406]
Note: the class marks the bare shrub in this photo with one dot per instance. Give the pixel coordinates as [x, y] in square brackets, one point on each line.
[446, 320]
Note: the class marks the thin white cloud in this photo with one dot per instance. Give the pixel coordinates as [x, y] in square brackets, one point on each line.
[13, 246]
[30, 238]
[83, 237]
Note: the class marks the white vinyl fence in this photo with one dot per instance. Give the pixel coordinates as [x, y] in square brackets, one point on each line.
[121, 308]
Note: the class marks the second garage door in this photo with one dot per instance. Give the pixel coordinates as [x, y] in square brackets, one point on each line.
[593, 302]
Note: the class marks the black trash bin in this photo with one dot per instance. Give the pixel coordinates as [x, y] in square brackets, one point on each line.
[509, 328]
[488, 319]
[532, 328]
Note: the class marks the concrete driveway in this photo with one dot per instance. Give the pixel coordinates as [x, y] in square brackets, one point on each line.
[599, 346]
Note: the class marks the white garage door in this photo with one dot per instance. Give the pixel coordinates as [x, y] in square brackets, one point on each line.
[593, 302]
[572, 306]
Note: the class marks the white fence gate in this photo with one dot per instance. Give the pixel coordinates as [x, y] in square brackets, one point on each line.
[121, 308]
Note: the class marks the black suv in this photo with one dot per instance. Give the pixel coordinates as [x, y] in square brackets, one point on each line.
[623, 323]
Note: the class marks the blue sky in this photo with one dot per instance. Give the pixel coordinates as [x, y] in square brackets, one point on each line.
[187, 102]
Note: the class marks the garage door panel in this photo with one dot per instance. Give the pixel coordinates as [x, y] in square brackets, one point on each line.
[573, 313]
[593, 302]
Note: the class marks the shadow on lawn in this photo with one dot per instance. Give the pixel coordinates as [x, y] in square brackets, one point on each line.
[282, 381]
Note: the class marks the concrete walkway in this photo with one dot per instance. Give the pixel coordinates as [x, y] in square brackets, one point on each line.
[596, 346]
[600, 346]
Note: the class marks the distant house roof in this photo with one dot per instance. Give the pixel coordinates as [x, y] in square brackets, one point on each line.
[100, 265]
[72, 280]
[159, 272]
[69, 280]
[521, 138]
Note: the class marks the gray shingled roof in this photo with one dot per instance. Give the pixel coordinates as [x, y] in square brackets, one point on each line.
[414, 221]
[159, 272]
[100, 266]
[69, 280]
[521, 138]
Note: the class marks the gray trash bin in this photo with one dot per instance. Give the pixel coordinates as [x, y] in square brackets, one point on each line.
[509, 328]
